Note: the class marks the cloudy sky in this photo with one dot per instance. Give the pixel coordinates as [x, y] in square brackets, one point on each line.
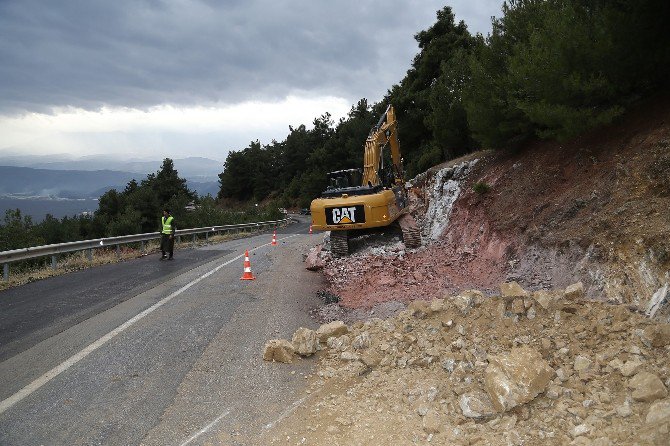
[156, 78]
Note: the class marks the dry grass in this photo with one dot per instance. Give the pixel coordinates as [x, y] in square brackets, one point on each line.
[77, 261]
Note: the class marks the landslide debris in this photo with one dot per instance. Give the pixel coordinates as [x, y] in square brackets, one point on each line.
[545, 367]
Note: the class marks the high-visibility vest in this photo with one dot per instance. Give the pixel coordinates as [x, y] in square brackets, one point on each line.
[167, 224]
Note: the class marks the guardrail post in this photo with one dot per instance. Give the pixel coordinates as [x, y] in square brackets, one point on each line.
[142, 246]
[179, 239]
[118, 250]
[194, 237]
[89, 254]
[5, 272]
[53, 262]
[206, 237]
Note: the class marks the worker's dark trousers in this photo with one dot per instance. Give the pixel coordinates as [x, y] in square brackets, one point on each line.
[167, 244]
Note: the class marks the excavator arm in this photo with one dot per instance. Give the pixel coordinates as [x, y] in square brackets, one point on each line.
[385, 132]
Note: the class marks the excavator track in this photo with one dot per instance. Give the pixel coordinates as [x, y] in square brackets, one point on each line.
[411, 234]
[411, 237]
[339, 243]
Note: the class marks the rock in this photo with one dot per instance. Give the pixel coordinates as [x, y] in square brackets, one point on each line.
[349, 356]
[279, 350]
[420, 309]
[335, 328]
[531, 313]
[340, 343]
[516, 378]
[658, 411]
[630, 368]
[361, 342]
[371, 358]
[582, 363]
[437, 305]
[647, 387]
[624, 410]
[554, 392]
[512, 290]
[518, 306]
[467, 300]
[543, 298]
[476, 404]
[574, 291]
[657, 335]
[305, 341]
[432, 422]
[579, 430]
[314, 262]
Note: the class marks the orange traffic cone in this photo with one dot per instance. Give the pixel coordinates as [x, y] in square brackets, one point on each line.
[310, 229]
[274, 239]
[247, 268]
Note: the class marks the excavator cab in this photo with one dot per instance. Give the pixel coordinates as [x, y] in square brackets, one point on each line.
[347, 182]
[342, 179]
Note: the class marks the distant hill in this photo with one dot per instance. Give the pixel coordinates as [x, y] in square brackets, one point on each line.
[62, 183]
[193, 168]
[75, 184]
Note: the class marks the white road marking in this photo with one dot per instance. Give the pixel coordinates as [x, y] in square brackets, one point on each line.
[286, 413]
[205, 429]
[51, 374]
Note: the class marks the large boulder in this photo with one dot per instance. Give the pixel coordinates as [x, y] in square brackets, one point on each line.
[305, 341]
[516, 378]
[279, 350]
[331, 329]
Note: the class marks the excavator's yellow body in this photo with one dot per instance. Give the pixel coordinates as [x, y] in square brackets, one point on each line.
[355, 211]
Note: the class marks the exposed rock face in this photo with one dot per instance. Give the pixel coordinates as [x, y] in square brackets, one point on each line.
[279, 350]
[305, 341]
[647, 387]
[335, 328]
[516, 378]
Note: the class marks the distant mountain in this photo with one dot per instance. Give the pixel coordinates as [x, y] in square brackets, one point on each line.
[25, 182]
[61, 183]
[193, 168]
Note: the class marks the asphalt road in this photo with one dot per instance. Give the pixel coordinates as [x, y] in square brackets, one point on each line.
[157, 353]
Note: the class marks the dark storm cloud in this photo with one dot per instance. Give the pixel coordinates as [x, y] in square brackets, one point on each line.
[141, 53]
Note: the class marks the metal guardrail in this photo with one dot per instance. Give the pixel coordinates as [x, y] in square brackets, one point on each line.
[16, 255]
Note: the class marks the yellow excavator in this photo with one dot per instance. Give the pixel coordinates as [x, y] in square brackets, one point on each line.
[357, 200]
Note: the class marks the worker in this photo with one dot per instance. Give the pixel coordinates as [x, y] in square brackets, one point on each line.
[167, 235]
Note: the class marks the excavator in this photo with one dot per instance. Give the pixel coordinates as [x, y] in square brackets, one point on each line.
[357, 200]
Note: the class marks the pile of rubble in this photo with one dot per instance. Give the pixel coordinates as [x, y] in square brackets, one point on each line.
[546, 367]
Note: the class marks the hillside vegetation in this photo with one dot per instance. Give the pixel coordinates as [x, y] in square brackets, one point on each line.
[549, 70]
